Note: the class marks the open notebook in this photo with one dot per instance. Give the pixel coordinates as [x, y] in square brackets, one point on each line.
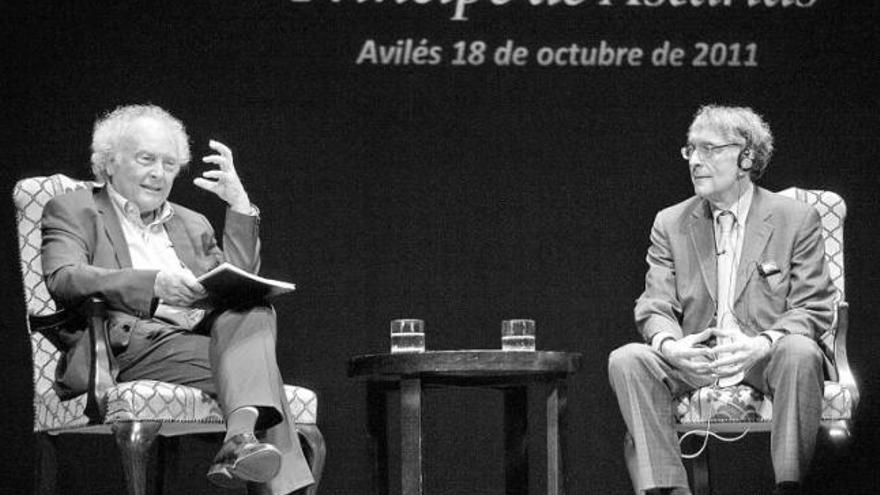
[231, 284]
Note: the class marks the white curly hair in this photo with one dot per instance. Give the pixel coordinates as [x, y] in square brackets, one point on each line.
[113, 126]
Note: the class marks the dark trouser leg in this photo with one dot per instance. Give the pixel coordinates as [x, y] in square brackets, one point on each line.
[792, 375]
[159, 352]
[236, 363]
[230, 354]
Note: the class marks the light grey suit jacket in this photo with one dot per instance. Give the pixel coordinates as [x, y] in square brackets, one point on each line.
[680, 285]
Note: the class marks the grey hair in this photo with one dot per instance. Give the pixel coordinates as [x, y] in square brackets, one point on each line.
[745, 123]
[114, 125]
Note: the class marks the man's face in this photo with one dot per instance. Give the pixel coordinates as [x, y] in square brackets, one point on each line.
[146, 165]
[713, 164]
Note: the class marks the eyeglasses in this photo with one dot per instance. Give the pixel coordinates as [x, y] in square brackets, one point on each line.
[707, 151]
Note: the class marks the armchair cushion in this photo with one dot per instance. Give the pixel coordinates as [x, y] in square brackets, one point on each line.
[150, 400]
[181, 407]
[742, 403]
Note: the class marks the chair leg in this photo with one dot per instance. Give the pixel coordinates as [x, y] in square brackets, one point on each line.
[134, 440]
[702, 484]
[318, 453]
[46, 465]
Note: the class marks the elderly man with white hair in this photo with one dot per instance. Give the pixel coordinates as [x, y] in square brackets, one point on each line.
[125, 242]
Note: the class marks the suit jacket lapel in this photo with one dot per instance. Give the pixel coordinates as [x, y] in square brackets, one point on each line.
[703, 241]
[182, 243]
[757, 234]
[112, 227]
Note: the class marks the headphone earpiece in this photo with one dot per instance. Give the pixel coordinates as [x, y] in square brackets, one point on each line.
[745, 154]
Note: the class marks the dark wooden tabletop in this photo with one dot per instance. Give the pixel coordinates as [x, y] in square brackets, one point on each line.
[464, 363]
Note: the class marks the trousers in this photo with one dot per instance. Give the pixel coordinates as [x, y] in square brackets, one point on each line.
[230, 355]
[646, 385]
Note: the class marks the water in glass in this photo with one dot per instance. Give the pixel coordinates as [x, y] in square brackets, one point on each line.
[407, 335]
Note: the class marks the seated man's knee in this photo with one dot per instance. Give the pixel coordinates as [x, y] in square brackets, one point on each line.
[263, 316]
[264, 310]
[627, 357]
[259, 311]
[799, 348]
[251, 319]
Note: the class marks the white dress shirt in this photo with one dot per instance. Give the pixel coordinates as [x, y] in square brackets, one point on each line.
[150, 248]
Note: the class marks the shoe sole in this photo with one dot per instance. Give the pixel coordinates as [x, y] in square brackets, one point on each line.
[220, 476]
[258, 467]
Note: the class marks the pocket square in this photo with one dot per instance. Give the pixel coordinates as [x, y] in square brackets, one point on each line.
[768, 268]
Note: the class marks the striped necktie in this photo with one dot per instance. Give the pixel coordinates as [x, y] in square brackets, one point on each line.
[725, 259]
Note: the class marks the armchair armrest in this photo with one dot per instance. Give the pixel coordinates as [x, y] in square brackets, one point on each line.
[101, 373]
[59, 328]
[51, 323]
[841, 361]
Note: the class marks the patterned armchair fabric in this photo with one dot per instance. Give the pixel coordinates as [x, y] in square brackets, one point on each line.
[30, 196]
[181, 409]
[743, 404]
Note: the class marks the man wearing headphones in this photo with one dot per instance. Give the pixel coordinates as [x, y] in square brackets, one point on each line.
[736, 291]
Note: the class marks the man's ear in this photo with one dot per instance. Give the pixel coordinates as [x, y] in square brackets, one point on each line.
[110, 167]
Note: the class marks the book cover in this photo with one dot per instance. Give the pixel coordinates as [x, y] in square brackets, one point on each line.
[230, 284]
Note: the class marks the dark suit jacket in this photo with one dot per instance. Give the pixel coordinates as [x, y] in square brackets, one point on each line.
[84, 254]
[680, 284]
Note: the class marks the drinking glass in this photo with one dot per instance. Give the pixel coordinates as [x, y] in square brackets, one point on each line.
[518, 335]
[407, 335]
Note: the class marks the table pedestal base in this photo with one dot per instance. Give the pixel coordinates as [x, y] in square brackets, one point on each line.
[516, 435]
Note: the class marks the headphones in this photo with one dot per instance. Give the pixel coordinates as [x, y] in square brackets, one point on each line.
[745, 162]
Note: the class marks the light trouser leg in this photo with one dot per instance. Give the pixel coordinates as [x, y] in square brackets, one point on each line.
[246, 372]
[792, 375]
[645, 385]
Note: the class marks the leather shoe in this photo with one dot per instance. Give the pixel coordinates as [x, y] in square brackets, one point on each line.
[244, 458]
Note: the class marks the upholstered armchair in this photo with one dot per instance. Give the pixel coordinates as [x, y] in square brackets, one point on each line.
[739, 408]
[136, 412]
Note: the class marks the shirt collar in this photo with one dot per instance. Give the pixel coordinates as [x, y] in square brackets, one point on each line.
[133, 213]
[740, 207]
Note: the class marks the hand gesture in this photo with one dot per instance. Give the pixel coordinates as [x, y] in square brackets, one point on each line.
[178, 288]
[224, 182]
[737, 352]
[687, 353]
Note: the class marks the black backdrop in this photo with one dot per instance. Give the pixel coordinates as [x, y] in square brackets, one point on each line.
[460, 194]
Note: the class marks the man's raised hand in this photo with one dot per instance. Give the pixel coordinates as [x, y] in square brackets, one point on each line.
[224, 181]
